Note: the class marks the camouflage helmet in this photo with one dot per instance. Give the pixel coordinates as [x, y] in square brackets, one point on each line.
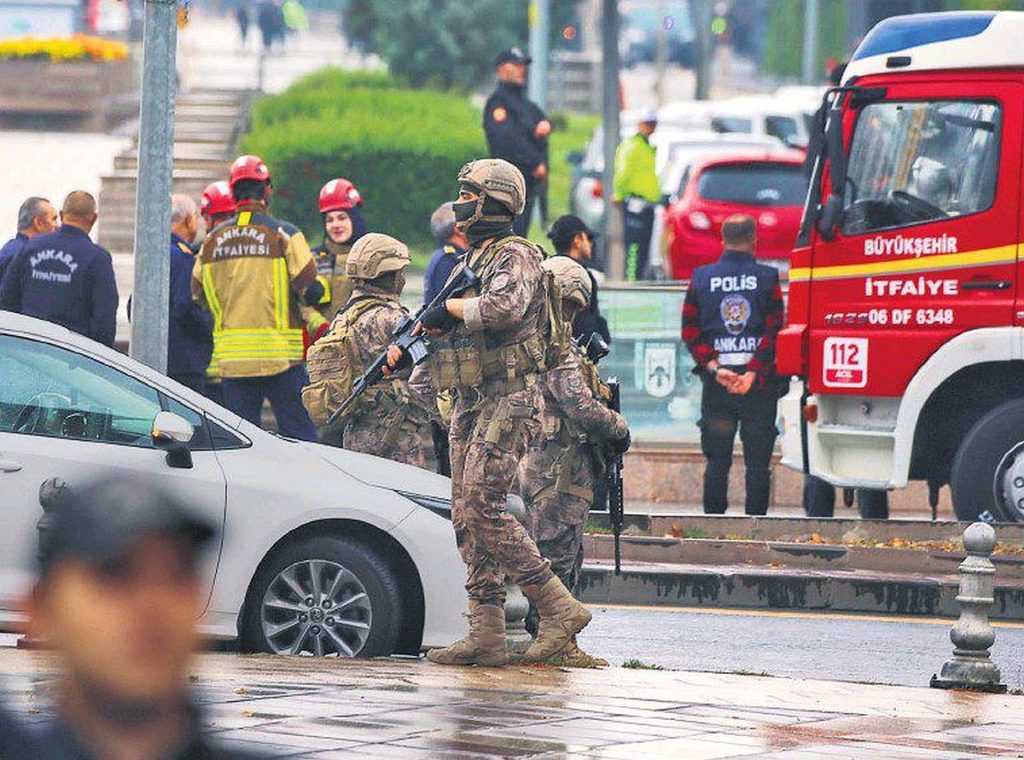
[497, 179]
[572, 279]
[375, 254]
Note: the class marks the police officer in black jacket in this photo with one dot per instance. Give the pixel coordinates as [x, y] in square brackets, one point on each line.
[731, 317]
[64, 277]
[572, 238]
[517, 129]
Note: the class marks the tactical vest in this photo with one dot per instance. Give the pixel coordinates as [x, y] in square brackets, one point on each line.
[734, 295]
[463, 359]
[333, 364]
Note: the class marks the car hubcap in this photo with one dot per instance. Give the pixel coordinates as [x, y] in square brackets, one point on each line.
[316, 607]
[1009, 483]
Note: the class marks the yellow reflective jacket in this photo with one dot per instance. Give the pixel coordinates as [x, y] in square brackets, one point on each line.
[251, 270]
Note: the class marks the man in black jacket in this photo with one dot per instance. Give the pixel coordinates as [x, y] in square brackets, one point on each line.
[517, 129]
[572, 238]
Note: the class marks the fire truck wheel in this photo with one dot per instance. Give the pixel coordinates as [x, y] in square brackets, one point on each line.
[988, 470]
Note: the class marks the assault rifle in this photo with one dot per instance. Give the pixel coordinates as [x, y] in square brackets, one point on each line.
[613, 477]
[413, 346]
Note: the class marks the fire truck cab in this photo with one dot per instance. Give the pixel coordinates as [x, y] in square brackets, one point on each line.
[905, 332]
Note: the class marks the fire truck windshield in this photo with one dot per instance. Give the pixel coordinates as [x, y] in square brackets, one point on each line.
[920, 161]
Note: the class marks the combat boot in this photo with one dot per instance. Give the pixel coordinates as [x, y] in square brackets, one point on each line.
[485, 644]
[574, 657]
[561, 618]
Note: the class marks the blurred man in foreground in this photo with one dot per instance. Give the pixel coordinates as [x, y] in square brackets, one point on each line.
[117, 597]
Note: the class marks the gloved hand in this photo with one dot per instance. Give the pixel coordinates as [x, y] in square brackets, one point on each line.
[437, 318]
[313, 293]
[620, 445]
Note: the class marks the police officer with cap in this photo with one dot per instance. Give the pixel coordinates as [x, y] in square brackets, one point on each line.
[731, 317]
[572, 238]
[517, 129]
[119, 588]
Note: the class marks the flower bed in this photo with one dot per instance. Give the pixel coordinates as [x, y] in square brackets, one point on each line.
[79, 47]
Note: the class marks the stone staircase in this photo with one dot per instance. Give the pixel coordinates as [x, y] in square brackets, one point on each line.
[207, 125]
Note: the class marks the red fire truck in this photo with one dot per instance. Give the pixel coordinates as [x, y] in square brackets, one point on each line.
[906, 305]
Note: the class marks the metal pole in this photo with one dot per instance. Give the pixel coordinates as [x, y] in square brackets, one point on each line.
[540, 33]
[150, 315]
[810, 52]
[702, 80]
[615, 265]
[661, 55]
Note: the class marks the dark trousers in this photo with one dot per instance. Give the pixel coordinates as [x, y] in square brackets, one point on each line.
[244, 396]
[521, 226]
[637, 227]
[754, 415]
[194, 380]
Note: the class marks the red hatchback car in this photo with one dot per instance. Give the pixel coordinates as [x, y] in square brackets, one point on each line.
[771, 187]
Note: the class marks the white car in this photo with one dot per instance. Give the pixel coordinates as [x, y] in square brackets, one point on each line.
[322, 551]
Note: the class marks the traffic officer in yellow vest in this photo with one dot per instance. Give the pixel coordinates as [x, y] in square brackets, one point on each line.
[558, 477]
[490, 345]
[254, 272]
[637, 191]
[390, 419]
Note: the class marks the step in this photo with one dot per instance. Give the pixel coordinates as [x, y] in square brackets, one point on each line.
[737, 586]
[215, 166]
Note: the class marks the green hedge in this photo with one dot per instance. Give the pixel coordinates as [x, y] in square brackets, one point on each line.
[402, 148]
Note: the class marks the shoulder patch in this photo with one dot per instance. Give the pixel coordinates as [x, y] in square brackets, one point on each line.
[449, 249]
[244, 218]
[499, 114]
[184, 248]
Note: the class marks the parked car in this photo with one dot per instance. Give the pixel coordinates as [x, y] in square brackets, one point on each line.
[586, 196]
[787, 120]
[771, 187]
[322, 551]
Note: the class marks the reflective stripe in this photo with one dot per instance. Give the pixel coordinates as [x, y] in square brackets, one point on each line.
[281, 294]
[1004, 254]
[267, 343]
[211, 297]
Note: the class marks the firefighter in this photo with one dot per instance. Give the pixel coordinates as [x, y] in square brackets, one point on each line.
[390, 419]
[731, 316]
[217, 205]
[491, 344]
[517, 130]
[559, 476]
[255, 272]
[340, 207]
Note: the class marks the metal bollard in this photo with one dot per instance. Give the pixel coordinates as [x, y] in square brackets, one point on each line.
[517, 606]
[972, 634]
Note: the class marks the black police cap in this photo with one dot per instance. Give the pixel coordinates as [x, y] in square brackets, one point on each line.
[566, 227]
[512, 55]
[107, 519]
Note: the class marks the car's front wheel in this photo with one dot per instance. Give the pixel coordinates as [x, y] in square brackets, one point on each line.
[323, 596]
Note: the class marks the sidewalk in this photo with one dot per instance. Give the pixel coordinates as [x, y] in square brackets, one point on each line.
[300, 707]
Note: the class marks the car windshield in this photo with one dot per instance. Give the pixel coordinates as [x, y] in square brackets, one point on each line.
[754, 184]
[920, 161]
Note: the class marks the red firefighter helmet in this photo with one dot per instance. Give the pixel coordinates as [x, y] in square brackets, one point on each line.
[339, 194]
[217, 199]
[248, 167]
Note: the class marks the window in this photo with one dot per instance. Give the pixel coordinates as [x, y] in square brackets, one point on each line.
[916, 162]
[49, 391]
[754, 184]
[782, 127]
[731, 124]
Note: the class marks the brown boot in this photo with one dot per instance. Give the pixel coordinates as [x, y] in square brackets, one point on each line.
[574, 657]
[485, 644]
[561, 618]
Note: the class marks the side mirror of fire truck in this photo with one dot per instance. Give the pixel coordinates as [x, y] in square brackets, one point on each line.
[830, 217]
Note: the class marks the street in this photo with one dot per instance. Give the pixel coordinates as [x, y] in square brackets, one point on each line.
[866, 649]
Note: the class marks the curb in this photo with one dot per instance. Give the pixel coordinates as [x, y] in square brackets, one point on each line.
[785, 589]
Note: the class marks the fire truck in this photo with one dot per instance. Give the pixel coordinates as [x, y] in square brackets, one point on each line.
[905, 334]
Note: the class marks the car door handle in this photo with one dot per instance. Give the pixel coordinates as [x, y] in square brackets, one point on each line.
[985, 285]
[7, 465]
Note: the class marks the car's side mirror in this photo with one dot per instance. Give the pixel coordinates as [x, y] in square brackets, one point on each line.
[831, 216]
[574, 157]
[172, 433]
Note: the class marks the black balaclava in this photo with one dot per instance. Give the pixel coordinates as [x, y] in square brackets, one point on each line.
[483, 218]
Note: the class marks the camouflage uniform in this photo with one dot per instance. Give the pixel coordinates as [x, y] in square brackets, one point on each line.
[559, 475]
[491, 428]
[391, 420]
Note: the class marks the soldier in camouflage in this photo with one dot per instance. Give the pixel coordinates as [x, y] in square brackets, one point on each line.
[490, 345]
[391, 419]
[559, 475]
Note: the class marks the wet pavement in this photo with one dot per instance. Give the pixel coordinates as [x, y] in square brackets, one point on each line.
[306, 708]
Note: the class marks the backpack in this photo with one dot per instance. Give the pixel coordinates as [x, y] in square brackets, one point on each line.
[334, 363]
